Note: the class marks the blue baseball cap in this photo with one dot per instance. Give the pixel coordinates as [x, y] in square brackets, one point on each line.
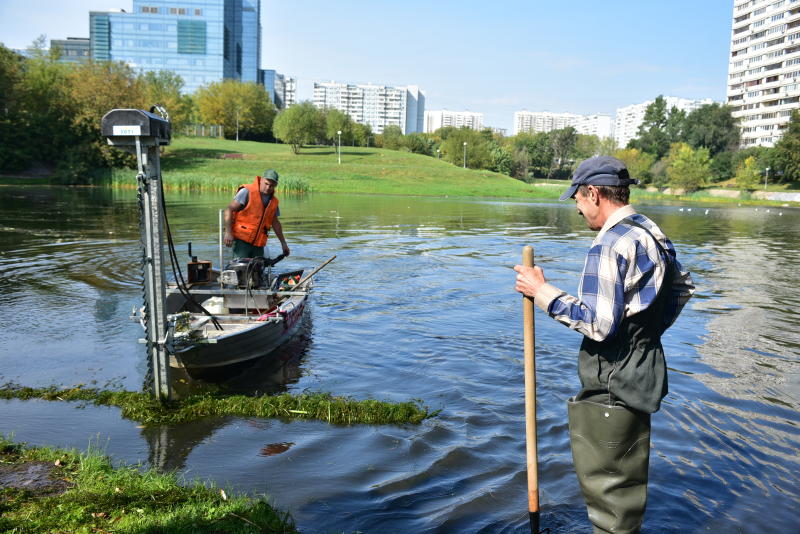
[600, 170]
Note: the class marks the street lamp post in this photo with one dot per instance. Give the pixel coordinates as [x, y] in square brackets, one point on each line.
[766, 175]
[237, 124]
[438, 153]
[339, 133]
[465, 154]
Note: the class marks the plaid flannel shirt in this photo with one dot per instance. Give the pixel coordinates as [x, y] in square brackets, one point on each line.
[622, 275]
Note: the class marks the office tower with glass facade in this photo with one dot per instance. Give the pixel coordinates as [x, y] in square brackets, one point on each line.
[72, 49]
[376, 105]
[203, 41]
[764, 68]
[281, 88]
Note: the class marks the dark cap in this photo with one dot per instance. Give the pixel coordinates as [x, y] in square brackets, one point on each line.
[271, 175]
[600, 170]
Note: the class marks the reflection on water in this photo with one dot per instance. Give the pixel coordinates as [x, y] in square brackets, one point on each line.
[419, 304]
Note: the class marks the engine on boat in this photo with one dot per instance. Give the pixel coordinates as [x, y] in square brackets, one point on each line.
[245, 273]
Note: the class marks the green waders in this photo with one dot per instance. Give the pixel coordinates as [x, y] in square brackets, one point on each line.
[611, 453]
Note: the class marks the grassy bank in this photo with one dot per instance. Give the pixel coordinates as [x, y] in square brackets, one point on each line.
[67, 491]
[145, 409]
[215, 164]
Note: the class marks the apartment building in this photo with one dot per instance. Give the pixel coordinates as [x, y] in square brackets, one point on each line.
[764, 68]
[457, 119]
[629, 118]
[545, 121]
[203, 41]
[376, 105]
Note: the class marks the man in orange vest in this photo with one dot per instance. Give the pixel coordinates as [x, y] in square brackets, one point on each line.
[251, 214]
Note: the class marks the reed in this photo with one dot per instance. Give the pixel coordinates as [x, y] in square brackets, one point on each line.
[147, 410]
[92, 495]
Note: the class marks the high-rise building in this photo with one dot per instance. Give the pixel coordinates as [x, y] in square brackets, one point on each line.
[764, 68]
[203, 41]
[458, 119]
[282, 89]
[629, 118]
[376, 105]
[72, 49]
[545, 121]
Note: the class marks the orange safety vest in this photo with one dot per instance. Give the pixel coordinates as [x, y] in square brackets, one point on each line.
[252, 223]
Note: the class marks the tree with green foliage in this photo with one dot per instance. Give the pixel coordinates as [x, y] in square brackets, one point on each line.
[477, 148]
[659, 129]
[418, 143]
[392, 137]
[607, 146]
[637, 162]
[96, 88]
[14, 155]
[747, 175]
[242, 108]
[500, 159]
[520, 163]
[299, 125]
[164, 88]
[687, 168]
[563, 144]
[787, 151]
[712, 126]
[362, 134]
[338, 121]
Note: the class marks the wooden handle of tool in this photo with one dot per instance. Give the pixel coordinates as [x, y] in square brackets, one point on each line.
[529, 340]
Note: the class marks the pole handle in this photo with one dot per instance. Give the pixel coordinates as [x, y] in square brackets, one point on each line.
[529, 341]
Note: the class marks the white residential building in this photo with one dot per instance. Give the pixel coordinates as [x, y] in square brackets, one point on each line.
[629, 118]
[376, 105]
[458, 119]
[544, 121]
[764, 68]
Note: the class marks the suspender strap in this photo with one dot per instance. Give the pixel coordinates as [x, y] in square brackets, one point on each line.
[664, 253]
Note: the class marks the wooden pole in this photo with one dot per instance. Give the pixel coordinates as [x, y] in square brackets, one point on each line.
[529, 341]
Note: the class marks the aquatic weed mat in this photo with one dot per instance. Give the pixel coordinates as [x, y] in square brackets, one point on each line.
[147, 410]
[84, 493]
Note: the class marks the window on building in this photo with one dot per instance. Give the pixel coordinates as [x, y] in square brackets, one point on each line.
[191, 36]
[198, 12]
[149, 9]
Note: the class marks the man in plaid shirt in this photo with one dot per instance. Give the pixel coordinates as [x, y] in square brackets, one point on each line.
[631, 290]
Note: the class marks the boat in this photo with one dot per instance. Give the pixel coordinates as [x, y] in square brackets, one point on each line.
[243, 313]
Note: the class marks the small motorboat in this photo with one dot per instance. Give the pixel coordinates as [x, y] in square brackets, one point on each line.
[245, 312]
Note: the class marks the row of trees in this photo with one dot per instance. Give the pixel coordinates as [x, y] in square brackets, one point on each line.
[50, 118]
[673, 148]
[50, 111]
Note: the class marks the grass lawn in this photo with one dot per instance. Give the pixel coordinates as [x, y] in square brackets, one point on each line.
[52, 491]
[216, 164]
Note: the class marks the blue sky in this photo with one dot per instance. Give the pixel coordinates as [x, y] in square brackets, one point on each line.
[581, 56]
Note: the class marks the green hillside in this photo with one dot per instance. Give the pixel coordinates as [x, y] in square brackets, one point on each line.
[215, 164]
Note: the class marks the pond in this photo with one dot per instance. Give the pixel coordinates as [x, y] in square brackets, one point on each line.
[419, 304]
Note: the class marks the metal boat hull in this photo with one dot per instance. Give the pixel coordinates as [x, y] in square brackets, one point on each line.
[257, 339]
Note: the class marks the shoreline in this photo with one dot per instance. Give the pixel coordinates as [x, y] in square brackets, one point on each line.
[637, 196]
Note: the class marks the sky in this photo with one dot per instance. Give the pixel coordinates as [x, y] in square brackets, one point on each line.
[578, 56]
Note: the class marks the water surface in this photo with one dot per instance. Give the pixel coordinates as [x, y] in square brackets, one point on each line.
[419, 305]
